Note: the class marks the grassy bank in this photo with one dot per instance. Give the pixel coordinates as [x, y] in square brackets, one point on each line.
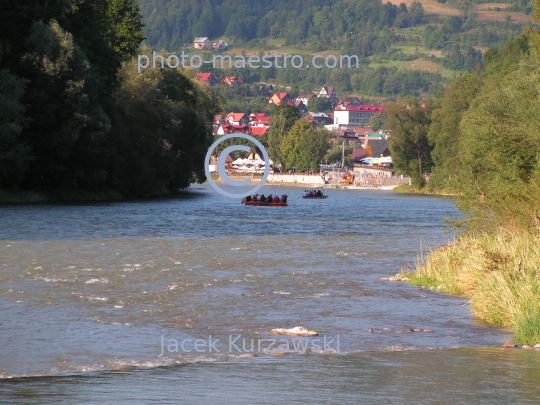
[405, 188]
[500, 274]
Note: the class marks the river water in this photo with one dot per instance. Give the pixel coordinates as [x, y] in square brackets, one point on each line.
[96, 301]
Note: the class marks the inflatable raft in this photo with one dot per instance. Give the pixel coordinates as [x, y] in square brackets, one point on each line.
[269, 204]
[315, 196]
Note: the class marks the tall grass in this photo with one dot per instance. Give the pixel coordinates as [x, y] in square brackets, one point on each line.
[500, 273]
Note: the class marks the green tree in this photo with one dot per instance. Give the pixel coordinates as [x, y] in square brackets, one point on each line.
[444, 133]
[14, 154]
[500, 151]
[68, 125]
[409, 119]
[282, 119]
[318, 104]
[165, 129]
[376, 121]
[304, 146]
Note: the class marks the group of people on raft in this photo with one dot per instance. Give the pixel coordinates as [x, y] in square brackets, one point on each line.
[313, 193]
[271, 198]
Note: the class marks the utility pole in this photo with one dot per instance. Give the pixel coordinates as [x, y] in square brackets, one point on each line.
[343, 154]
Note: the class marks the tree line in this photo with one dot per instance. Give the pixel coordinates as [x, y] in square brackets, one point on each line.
[479, 138]
[76, 115]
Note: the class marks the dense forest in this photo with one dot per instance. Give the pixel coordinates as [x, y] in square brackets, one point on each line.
[74, 113]
[383, 35]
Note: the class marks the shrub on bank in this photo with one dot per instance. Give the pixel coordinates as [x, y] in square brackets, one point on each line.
[499, 273]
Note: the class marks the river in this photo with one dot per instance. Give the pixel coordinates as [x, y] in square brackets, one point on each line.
[97, 300]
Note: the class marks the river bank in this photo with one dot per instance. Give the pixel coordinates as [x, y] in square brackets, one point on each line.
[500, 274]
[408, 189]
[59, 196]
[307, 184]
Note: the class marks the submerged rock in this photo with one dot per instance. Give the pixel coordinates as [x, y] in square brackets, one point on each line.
[508, 344]
[297, 331]
[123, 367]
[428, 331]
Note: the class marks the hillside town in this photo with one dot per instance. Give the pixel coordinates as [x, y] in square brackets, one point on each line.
[348, 124]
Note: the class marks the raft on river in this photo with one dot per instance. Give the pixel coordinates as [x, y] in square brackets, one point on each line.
[270, 204]
[315, 196]
[266, 201]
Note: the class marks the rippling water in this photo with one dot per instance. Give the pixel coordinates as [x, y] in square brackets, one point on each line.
[88, 288]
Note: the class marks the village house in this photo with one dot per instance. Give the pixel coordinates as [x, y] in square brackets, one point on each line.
[201, 42]
[318, 118]
[376, 147]
[353, 114]
[258, 131]
[232, 81]
[231, 129]
[304, 98]
[237, 119]
[209, 78]
[280, 98]
[328, 92]
[348, 134]
[220, 45]
[302, 107]
[255, 116]
[263, 121]
[256, 154]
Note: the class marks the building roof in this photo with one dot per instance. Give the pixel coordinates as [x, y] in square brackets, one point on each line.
[378, 147]
[258, 115]
[220, 43]
[205, 76]
[359, 107]
[281, 96]
[236, 117]
[318, 114]
[358, 154]
[328, 89]
[201, 39]
[262, 120]
[259, 131]
[232, 79]
[230, 127]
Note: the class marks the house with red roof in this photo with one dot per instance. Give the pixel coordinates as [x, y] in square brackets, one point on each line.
[237, 118]
[209, 78]
[258, 131]
[328, 92]
[254, 116]
[280, 98]
[263, 121]
[232, 81]
[353, 114]
[231, 129]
